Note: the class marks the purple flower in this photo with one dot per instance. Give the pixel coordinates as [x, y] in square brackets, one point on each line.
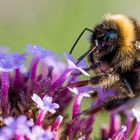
[37, 54]
[69, 70]
[52, 61]
[45, 103]
[79, 128]
[57, 123]
[78, 98]
[18, 59]
[12, 61]
[120, 134]
[4, 92]
[38, 51]
[71, 65]
[128, 121]
[8, 62]
[81, 64]
[104, 131]
[38, 133]
[6, 134]
[83, 91]
[115, 123]
[53, 82]
[136, 113]
[16, 127]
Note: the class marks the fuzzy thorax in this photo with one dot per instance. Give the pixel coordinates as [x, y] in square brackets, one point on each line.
[126, 30]
[127, 35]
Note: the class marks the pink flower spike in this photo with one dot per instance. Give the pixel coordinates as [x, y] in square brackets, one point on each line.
[120, 134]
[77, 102]
[104, 132]
[71, 65]
[136, 133]
[57, 123]
[40, 117]
[18, 137]
[128, 122]
[76, 106]
[115, 123]
[136, 114]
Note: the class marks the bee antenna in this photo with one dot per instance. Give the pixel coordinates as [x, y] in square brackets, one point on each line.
[72, 48]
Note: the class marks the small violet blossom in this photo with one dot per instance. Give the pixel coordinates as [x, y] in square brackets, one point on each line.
[72, 67]
[37, 53]
[38, 133]
[12, 61]
[18, 127]
[45, 103]
[8, 63]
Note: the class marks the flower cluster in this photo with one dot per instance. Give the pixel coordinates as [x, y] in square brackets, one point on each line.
[35, 96]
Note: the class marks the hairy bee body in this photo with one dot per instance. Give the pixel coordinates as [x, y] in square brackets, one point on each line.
[117, 45]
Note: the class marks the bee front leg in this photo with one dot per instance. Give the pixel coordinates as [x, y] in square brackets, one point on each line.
[105, 80]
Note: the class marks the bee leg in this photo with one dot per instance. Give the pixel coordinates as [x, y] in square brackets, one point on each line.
[112, 103]
[128, 87]
[79, 83]
[93, 66]
[116, 101]
[91, 58]
[105, 80]
[93, 80]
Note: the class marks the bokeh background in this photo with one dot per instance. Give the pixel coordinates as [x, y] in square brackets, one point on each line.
[55, 24]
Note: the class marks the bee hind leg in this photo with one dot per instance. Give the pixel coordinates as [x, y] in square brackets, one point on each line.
[111, 104]
[130, 92]
[115, 102]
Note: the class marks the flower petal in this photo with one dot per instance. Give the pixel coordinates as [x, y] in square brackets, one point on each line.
[54, 105]
[136, 114]
[37, 99]
[47, 99]
[71, 65]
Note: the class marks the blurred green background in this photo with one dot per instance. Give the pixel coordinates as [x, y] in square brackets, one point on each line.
[55, 24]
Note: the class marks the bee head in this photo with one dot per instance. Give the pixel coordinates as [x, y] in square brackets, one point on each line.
[104, 38]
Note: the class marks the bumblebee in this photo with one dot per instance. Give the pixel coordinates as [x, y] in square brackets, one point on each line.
[115, 51]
